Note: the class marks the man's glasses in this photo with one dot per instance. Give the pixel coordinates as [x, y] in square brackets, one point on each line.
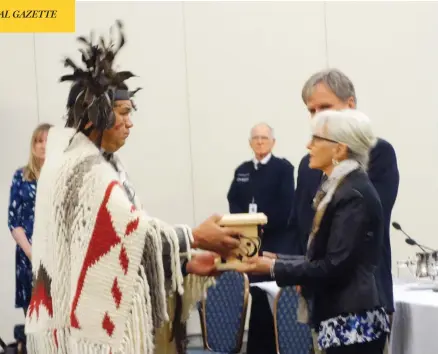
[258, 137]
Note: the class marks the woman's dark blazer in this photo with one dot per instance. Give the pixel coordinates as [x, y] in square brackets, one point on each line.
[339, 271]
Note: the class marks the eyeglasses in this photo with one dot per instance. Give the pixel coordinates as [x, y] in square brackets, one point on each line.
[258, 137]
[316, 138]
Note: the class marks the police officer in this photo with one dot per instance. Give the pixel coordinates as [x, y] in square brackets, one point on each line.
[265, 184]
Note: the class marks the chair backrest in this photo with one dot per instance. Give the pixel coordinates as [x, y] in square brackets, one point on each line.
[291, 336]
[223, 313]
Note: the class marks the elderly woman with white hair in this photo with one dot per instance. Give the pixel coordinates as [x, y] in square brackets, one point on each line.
[337, 276]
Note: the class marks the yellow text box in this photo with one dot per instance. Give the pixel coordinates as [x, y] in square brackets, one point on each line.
[20, 16]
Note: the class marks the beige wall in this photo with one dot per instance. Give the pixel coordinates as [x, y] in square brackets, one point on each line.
[209, 71]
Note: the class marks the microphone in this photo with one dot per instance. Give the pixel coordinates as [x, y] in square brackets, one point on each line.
[409, 240]
[414, 243]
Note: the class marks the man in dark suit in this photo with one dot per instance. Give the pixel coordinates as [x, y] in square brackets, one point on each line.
[265, 184]
[331, 89]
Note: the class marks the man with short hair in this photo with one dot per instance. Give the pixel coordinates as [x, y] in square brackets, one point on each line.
[265, 184]
[332, 89]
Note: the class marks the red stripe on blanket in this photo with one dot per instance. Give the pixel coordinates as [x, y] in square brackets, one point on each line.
[41, 294]
[55, 337]
[124, 260]
[108, 324]
[117, 293]
[104, 238]
[132, 226]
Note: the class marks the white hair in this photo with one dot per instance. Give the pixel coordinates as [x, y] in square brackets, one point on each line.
[262, 124]
[350, 127]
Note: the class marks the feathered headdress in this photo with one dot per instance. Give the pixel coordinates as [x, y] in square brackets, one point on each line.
[97, 86]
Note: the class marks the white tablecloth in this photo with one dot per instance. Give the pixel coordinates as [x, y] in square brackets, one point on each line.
[270, 288]
[415, 322]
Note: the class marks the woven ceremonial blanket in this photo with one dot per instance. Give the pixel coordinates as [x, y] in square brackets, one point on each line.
[97, 259]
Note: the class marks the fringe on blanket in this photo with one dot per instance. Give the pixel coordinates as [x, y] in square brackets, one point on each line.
[194, 290]
[149, 327]
[138, 336]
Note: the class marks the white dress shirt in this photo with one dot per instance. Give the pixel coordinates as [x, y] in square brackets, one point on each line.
[263, 161]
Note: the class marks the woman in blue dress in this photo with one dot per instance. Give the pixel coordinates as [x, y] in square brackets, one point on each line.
[21, 214]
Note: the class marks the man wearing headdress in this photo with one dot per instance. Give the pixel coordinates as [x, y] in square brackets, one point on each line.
[108, 278]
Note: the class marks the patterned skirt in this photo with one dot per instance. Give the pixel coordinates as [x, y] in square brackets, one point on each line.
[353, 328]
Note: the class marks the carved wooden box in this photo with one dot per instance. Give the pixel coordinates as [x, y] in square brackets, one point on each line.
[247, 225]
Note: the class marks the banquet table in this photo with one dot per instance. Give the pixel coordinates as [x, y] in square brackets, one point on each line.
[415, 322]
[270, 288]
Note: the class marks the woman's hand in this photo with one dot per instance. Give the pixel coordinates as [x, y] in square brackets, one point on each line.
[270, 255]
[21, 239]
[257, 265]
[203, 264]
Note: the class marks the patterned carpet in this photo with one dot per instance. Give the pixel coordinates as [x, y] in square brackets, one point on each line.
[201, 351]
[196, 347]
